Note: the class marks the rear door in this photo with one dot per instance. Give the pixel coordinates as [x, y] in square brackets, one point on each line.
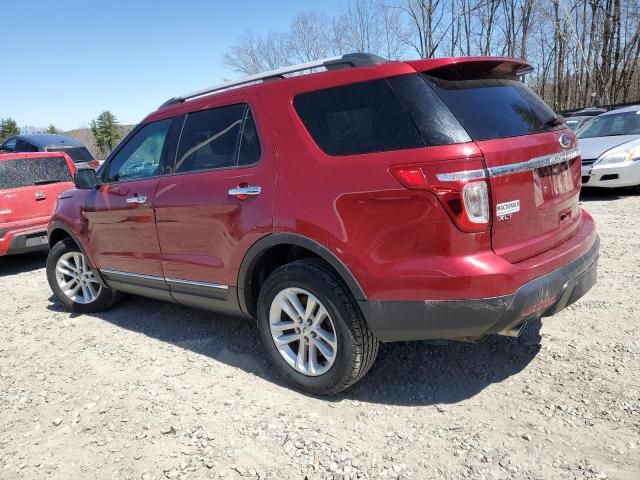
[218, 201]
[530, 155]
[29, 185]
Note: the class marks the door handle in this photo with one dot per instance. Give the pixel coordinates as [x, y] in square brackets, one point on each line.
[243, 192]
[137, 199]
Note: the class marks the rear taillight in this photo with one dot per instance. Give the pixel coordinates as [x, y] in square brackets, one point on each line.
[94, 164]
[463, 194]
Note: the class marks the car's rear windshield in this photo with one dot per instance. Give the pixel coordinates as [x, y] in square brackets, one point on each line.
[77, 154]
[25, 172]
[612, 124]
[490, 105]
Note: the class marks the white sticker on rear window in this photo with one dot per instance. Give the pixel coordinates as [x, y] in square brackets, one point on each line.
[507, 208]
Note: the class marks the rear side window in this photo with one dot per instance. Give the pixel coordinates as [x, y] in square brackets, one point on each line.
[77, 154]
[357, 118]
[492, 106]
[26, 172]
[222, 137]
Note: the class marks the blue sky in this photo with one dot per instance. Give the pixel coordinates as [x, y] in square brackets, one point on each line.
[65, 61]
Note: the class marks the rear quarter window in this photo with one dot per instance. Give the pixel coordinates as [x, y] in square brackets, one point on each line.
[357, 118]
[26, 172]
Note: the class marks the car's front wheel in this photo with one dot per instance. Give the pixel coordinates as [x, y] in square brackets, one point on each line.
[73, 282]
[312, 328]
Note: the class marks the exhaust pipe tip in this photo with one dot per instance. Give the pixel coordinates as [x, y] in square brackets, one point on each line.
[513, 331]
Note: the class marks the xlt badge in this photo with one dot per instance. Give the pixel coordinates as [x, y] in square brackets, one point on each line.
[506, 209]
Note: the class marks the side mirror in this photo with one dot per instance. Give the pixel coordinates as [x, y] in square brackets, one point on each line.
[85, 178]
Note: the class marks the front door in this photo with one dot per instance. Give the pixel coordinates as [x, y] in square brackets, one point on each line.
[216, 204]
[120, 218]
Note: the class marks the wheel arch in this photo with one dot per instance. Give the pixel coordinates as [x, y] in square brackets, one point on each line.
[58, 232]
[275, 243]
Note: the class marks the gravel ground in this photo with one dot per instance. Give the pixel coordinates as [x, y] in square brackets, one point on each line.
[151, 390]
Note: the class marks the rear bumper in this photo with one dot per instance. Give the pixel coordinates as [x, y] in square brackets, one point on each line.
[544, 296]
[24, 240]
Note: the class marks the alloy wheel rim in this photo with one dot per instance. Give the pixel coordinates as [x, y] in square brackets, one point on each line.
[75, 278]
[303, 331]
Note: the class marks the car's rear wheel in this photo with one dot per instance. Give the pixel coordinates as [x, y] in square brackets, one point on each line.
[73, 282]
[312, 328]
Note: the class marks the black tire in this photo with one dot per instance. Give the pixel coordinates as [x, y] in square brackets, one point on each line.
[105, 299]
[357, 346]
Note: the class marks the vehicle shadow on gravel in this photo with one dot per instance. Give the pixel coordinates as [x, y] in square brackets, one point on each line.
[605, 194]
[14, 264]
[412, 373]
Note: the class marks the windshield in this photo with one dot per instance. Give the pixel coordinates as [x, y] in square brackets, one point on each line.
[77, 154]
[25, 172]
[624, 123]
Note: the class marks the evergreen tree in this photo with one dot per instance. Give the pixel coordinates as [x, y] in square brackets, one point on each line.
[52, 129]
[106, 131]
[8, 128]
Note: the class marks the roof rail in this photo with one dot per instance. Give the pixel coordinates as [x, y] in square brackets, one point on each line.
[348, 60]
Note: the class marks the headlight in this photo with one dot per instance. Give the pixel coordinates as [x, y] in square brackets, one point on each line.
[620, 156]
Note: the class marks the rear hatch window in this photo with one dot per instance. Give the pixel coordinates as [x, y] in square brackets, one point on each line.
[492, 105]
[26, 172]
[77, 154]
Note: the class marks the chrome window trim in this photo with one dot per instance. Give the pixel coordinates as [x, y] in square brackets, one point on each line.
[163, 279]
[537, 162]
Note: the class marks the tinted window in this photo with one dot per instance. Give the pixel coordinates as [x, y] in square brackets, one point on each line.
[10, 145]
[437, 125]
[22, 146]
[624, 123]
[27, 172]
[210, 139]
[249, 143]
[358, 118]
[77, 154]
[140, 156]
[492, 106]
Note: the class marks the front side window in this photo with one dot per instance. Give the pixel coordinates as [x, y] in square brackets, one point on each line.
[141, 156]
[10, 145]
[612, 124]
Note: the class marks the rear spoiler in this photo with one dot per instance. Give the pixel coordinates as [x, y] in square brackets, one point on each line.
[488, 64]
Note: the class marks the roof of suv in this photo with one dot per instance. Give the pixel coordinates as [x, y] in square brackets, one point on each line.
[49, 139]
[337, 68]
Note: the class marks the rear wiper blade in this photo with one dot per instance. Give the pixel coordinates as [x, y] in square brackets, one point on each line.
[46, 181]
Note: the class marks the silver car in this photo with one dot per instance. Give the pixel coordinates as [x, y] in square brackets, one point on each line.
[610, 147]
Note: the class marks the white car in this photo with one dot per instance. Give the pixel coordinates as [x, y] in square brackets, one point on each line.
[610, 147]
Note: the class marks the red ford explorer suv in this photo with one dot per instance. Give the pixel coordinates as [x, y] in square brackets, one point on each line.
[29, 186]
[374, 201]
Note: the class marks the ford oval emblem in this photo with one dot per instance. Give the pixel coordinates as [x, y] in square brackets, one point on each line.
[565, 140]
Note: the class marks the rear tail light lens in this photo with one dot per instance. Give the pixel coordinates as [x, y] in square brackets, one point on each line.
[94, 164]
[464, 197]
[476, 201]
